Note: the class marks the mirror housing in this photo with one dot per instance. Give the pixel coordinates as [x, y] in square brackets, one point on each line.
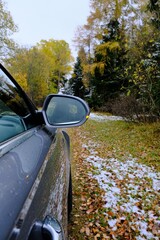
[63, 111]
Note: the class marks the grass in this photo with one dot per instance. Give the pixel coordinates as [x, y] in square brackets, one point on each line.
[115, 139]
[120, 139]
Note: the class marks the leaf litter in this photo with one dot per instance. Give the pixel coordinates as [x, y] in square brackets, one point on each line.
[120, 198]
[131, 189]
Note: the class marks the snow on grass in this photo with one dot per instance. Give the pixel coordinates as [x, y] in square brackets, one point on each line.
[97, 117]
[132, 190]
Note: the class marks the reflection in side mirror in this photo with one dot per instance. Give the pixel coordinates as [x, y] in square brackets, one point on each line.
[65, 110]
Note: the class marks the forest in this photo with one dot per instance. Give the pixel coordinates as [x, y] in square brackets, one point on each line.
[117, 69]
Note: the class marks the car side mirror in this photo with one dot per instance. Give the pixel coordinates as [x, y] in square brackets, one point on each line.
[65, 111]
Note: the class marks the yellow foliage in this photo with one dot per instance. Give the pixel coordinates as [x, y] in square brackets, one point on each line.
[22, 80]
[112, 46]
[99, 65]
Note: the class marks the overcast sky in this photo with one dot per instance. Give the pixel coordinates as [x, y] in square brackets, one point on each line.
[46, 19]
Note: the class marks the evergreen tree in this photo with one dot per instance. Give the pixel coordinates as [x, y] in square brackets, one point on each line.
[76, 82]
[109, 63]
[154, 8]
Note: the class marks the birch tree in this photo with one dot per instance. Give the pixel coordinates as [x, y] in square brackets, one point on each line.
[7, 28]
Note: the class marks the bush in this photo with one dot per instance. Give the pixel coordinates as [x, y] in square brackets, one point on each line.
[132, 109]
[127, 107]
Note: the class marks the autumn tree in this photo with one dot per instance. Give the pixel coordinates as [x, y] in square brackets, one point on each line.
[129, 14]
[89, 36]
[7, 28]
[31, 70]
[123, 63]
[60, 59]
[146, 76]
[40, 69]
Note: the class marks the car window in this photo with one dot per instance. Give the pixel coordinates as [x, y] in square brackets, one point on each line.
[13, 109]
[10, 95]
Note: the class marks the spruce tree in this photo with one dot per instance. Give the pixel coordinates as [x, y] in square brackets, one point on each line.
[76, 82]
[109, 63]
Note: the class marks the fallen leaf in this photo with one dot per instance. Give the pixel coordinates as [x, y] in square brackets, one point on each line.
[90, 210]
[87, 230]
[82, 230]
[110, 213]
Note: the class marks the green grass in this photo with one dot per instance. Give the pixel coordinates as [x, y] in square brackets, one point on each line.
[120, 139]
[116, 139]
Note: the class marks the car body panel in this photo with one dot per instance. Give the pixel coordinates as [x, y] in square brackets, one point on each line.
[44, 161]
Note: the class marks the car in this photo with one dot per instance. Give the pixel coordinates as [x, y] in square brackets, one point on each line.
[35, 168]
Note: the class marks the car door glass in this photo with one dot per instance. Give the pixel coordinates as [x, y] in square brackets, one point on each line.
[13, 109]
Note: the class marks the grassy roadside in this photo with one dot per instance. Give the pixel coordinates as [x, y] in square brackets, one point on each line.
[115, 139]
[87, 200]
[121, 139]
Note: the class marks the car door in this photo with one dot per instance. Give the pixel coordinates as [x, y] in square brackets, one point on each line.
[34, 167]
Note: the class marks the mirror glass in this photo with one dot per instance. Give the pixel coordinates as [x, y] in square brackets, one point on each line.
[64, 110]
